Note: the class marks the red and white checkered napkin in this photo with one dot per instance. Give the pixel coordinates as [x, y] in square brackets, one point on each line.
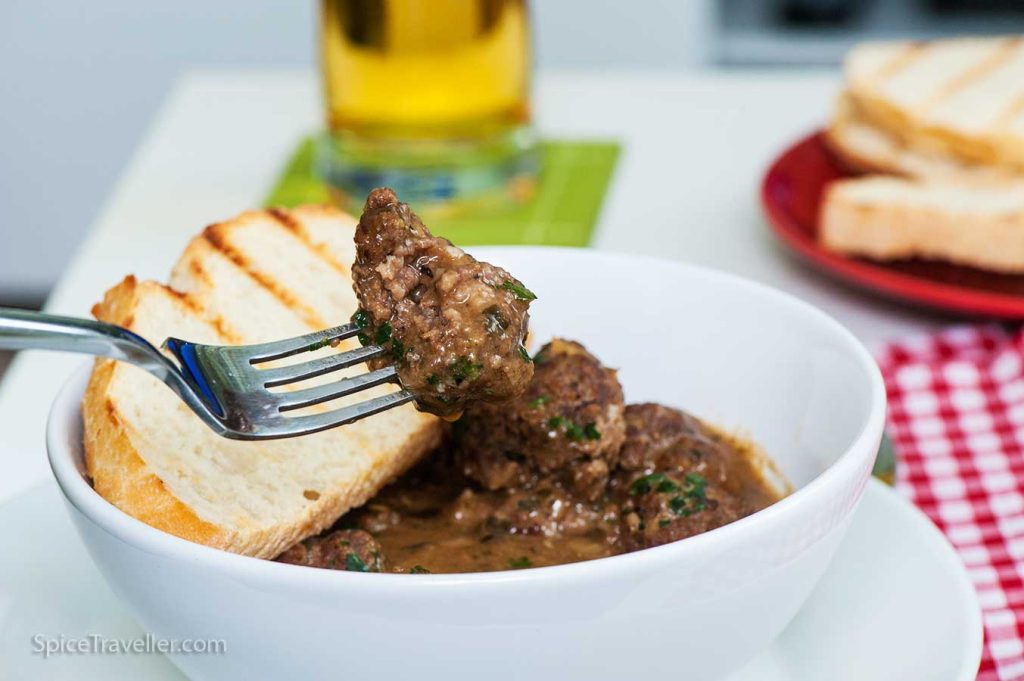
[956, 418]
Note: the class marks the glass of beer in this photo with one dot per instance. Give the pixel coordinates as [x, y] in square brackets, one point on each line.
[429, 97]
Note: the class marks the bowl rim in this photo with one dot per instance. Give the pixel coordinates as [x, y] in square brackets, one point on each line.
[64, 421]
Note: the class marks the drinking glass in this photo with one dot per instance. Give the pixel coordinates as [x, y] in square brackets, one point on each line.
[429, 97]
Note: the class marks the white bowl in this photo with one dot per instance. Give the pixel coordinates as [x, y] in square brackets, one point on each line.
[739, 354]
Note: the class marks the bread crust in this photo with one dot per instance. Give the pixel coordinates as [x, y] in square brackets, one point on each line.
[117, 470]
[910, 124]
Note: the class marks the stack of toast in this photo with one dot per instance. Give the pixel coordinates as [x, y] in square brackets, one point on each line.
[260, 277]
[936, 132]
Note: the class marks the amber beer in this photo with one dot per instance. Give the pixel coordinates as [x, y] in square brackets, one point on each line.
[409, 68]
[418, 83]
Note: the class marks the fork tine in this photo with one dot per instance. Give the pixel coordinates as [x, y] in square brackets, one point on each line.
[298, 399]
[266, 352]
[346, 415]
[317, 367]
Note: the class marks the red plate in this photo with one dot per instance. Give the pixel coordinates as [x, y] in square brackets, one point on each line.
[791, 195]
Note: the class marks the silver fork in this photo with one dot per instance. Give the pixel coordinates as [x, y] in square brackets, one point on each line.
[223, 384]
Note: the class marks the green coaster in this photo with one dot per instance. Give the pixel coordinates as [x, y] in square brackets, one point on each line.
[574, 177]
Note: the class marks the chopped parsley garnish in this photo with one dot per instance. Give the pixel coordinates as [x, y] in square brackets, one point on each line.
[464, 369]
[664, 522]
[556, 422]
[519, 563]
[361, 319]
[518, 290]
[697, 481]
[418, 570]
[494, 320]
[322, 343]
[432, 379]
[398, 349]
[539, 400]
[383, 334]
[354, 563]
[572, 431]
[524, 354]
[693, 499]
[658, 482]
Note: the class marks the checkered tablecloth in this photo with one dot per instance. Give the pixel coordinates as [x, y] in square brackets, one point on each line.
[956, 419]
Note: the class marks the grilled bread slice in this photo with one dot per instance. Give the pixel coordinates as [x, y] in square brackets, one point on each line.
[885, 218]
[953, 103]
[865, 148]
[260, 277]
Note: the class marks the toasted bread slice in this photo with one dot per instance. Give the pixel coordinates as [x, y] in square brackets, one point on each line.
[887, 218]
[962, 98]
[865, 148]
[260, 277]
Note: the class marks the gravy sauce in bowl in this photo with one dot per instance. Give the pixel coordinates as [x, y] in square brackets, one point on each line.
[679, 478]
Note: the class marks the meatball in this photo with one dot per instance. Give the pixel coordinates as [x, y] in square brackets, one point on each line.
[454, 326]
[352, 550]
[653, 428]
[677, 478]
[671, 506]
[568, 424]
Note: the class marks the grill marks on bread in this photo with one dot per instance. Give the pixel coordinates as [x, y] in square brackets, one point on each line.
[150, 456]
[929, 73]
[231, 267]
[306, 235]
[218, 236]
[962, 97]
[298, 236]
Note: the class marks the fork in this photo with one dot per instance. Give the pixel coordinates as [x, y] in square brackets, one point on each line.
[223, 384]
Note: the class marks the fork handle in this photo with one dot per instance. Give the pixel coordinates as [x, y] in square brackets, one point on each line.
[26, 330]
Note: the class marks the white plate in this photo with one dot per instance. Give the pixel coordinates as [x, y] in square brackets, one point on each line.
[895, 604]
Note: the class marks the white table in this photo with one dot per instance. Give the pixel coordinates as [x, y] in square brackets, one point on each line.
[694, 148]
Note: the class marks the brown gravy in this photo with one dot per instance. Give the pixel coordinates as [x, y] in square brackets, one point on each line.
[437, 531]
[434, 519]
